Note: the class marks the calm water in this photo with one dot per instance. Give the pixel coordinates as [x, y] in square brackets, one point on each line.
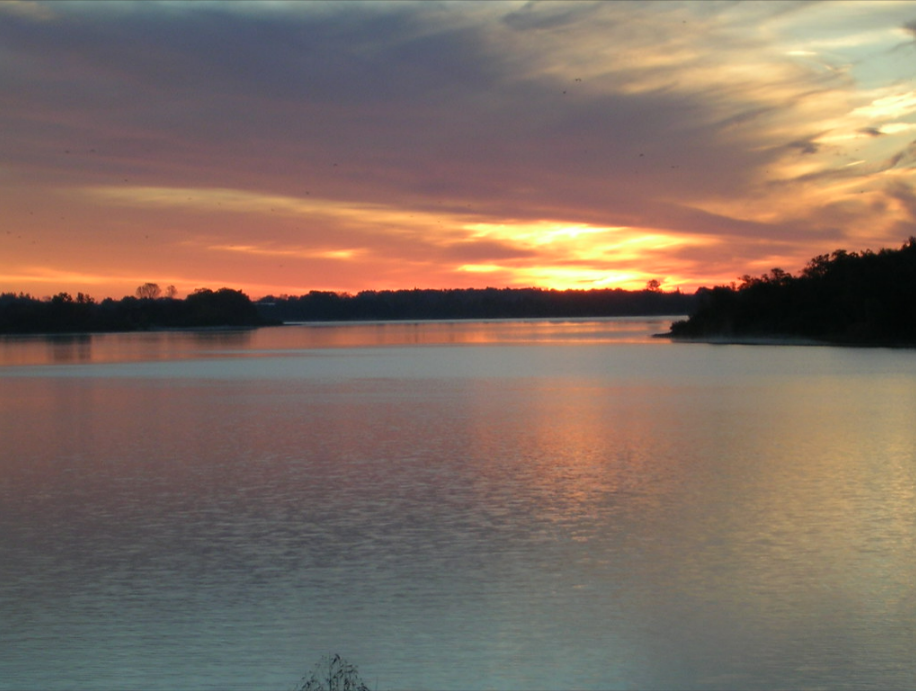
[455, 506]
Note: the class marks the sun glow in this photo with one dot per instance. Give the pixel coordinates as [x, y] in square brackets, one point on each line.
[548, 253]
[582, 256]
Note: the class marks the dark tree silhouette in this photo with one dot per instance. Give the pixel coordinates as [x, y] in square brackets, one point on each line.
[149, 291]
[866, 298]
[23, 313]
[226, 307]
[473, 303]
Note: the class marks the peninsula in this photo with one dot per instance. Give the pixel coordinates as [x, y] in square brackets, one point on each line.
[845, 298]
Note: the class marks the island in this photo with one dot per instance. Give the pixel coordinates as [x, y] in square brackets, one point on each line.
[844, 298]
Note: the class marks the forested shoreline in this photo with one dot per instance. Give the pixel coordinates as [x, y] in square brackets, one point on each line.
[63, 313]
[475, 303]
[21, 313]
[844, 298]
[853, 298]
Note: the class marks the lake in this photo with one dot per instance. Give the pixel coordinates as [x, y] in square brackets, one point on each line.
[455, 505]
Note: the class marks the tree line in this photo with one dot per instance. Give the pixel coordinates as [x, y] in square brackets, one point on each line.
[62, 313]
[866, 298]
[149, 309]
[474, 303]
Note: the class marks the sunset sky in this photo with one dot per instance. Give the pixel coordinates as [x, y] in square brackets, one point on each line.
[282, 147]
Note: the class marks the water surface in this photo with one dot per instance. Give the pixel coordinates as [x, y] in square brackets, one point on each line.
[455, 505]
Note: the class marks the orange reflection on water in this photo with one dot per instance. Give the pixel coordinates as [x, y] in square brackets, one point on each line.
[190, 344]
[585, 450]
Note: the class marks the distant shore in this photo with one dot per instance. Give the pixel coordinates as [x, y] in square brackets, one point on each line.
[226, 308]
[63, 313]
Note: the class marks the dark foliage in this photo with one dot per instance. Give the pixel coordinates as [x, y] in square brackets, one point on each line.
[225, 307]
[471, 303]
[63, 314]
[866, 298]
[332, 673]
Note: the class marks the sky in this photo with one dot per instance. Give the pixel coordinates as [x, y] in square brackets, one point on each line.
[283, 147]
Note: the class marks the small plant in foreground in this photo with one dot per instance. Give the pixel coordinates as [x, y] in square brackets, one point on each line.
[332, 673]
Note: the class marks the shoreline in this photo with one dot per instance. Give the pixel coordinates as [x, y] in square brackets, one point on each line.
[775, 340]
[341, 322]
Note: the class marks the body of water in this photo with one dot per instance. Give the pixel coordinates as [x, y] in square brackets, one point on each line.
[449, 505]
